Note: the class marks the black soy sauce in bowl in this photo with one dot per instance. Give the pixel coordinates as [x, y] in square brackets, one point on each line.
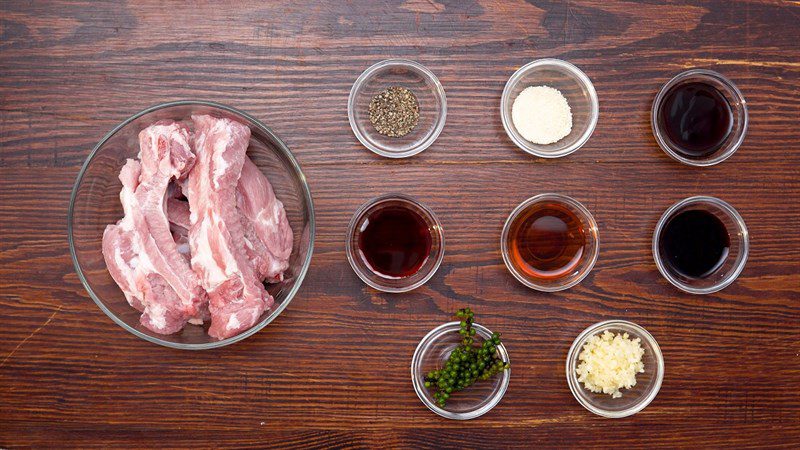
[701, 244]
[695, 243]
[699, 118]
[696, 118]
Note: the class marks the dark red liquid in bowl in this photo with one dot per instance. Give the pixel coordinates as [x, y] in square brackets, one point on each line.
[395, 241]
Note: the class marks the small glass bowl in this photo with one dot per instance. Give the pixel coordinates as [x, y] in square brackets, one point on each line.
[633, 400]
[381, 282]
[433, 350]
[573, 84]
[591, 248]
[425, 86]
[735, 100]
[737, 253]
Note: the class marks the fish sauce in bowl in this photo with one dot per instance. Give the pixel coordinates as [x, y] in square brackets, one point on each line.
[546, 241]
[550, 242]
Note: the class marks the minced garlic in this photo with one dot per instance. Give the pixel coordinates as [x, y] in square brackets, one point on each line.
[609, 362]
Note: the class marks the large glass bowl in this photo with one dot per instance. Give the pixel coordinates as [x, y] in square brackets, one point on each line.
[95, 203]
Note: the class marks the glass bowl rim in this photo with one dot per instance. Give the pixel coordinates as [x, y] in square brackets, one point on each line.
[513, 215]
[580, 77]
[282, 148]
[732, 89]
[439, 92]
[351, 229]
[599, 327]
[742, 228]
[419, 388]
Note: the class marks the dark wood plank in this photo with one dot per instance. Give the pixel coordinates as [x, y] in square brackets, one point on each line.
[332, 371]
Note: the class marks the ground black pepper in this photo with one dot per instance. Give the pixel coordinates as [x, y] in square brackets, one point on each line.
[394, 112]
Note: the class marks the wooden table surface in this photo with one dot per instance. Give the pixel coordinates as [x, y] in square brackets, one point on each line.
[333, 369]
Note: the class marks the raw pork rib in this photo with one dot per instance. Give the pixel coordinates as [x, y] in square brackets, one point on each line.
[119, 247]
[178, 213]
[140, 250]
[268, 237]
[267, 234]
[237, 297]
[205, 259]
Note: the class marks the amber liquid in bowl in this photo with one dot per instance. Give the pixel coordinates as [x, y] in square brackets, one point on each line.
[546, 241]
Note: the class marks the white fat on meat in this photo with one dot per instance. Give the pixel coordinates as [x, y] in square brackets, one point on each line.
[221, 164]
[205, 243]
[237, 297]
[151, 271]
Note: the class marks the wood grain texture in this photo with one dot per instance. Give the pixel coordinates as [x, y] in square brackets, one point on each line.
[332, 371]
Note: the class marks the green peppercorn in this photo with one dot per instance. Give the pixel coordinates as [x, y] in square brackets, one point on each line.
[467, 363]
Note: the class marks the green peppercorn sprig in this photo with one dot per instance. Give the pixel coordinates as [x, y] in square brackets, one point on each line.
[467, 363]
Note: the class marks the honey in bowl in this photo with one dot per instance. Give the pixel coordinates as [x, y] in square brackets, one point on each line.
[546, 241]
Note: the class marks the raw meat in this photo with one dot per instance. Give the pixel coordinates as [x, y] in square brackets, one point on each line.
[268, 237]
[237, 297]
[140, 250]
[267, 234]
[178, 213]
[119, 249]
[204, 259]
[178, 216]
